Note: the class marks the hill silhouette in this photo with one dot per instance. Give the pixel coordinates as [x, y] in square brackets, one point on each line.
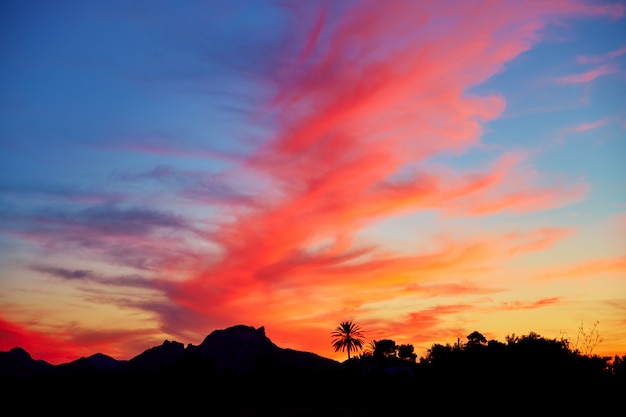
[239, 371]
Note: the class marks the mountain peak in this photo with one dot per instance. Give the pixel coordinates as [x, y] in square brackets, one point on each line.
[239, 333]
[20, 354]
[239, 337]
[237, 348]
[102, 361]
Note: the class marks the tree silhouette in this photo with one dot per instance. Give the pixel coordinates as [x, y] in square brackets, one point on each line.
[407, 352]
[384, 348]
[476, 338]
[371, 348]
[347, 336]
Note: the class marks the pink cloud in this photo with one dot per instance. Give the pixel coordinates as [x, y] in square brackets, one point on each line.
[515, 187]
[583, 59]
[587, 76]
[584, 127]
[589, 126]
[351, 112]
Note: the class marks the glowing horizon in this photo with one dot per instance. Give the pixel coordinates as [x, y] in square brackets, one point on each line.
[423, 169]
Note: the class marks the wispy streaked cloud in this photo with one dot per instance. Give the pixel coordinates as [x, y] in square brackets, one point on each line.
[85, 275]
[199, 186]
[64, 273]
[528, 305]
[584, 59]
[587, 269]
[587, 76]
[589, 126]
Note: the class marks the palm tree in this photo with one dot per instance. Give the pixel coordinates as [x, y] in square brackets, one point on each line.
[347, 336]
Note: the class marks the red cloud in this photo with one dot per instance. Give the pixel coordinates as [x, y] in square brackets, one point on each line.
[38, 344]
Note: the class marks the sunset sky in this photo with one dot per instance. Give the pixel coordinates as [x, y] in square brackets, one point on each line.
[423, 168]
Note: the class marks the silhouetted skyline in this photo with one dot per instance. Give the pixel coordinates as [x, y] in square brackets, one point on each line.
[241, 371]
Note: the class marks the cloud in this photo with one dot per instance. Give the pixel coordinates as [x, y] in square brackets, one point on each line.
[295, 289]
[54, 193]
[585, 127]
[421, 327]
[350, 114]
[587, 269]
[199, 186]
[515, 185]
[18, 335]
[69, 274]
[96, 220]
[84, 275]
[138, 237]
[165, 145]
[590, 126]
[595, 59]
[119, 221]
[529, 305]
[587, 76]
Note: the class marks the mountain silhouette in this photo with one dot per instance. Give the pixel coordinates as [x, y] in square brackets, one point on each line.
[243, 349]
[238, 368]
[238, 350]
[17, 363]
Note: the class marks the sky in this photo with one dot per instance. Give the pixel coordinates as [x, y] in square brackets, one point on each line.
[425, 169]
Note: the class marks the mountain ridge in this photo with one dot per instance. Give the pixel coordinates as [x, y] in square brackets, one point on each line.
[239, 349]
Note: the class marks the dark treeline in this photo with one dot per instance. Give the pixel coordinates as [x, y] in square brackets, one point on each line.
[523, 374]
[528, 372]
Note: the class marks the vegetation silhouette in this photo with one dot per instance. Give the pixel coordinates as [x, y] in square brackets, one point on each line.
[240, 372]
[347, 336]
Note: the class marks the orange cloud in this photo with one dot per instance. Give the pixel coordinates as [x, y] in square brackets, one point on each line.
[589, 268]
[526, 305]
[311, 289]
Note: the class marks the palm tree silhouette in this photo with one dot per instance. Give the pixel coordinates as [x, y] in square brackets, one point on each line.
[347, 336]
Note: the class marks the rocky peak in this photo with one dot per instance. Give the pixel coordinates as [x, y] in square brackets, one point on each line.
[237, 348]
[240, 336]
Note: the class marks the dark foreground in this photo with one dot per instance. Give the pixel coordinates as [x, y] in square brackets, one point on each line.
[240, 372]
[343, 392]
